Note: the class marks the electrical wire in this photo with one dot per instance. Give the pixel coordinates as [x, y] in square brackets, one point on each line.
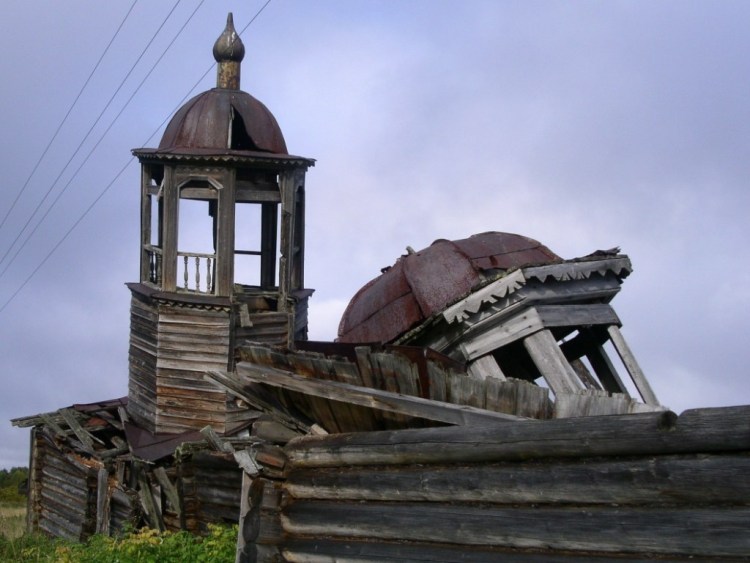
[64, 119]
[88, 133]
[98, 142]
[122, 170]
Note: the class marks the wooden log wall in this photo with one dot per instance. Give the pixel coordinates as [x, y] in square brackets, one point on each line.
[630, 487]
[209, 485]
[62, 490]
[170, 349]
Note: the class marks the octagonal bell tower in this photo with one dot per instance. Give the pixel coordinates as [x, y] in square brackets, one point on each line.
[222, 251]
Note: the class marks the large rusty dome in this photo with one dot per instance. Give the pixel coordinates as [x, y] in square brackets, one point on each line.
[224, 118]
[421, 284]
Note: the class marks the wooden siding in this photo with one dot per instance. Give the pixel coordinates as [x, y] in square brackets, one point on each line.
[627, 487]
[170, 349]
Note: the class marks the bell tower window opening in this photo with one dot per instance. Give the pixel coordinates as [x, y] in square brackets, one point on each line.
[196, 238]
[152, 225]
[256, 245]
[154, 247]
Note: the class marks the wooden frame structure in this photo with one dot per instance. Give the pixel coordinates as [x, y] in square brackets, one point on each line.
[541, 323]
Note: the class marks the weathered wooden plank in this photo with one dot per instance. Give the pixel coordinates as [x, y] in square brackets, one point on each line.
[577, 314]
[517, 397]
[651, 481]
[322, 412]
[103, 498]
[169, 489]
[484, 367]
[438, 376]
[372, 398]
[58, 526]
[628, 359]
[85, 437]
[468, 390]
[695, 431]
[480, 343]
[700, 531]
[604, 369]
[360, 418]
[233, 385]
[551, 363]
[150, 507]
[591, 402]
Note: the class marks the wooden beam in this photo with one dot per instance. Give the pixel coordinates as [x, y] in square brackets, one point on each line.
[235, 387]
[103, 498]
[604, 369]
[680, 479]
[695, 431]
[497, 335]
[371, 398]
[703, 531]
[630, 363]
[551, 362]
[170, 491]
[485, 367]
[576, 314]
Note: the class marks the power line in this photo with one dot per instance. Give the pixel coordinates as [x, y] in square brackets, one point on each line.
[98, 142]
[64, 119]
[88, 133]
[116, 177]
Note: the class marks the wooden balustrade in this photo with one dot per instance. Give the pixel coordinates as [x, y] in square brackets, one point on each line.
[199, 261]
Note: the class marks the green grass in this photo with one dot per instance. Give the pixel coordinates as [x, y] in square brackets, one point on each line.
[142, 546]
[12, 520]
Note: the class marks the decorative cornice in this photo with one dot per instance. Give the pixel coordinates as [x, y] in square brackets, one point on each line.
[510, 283]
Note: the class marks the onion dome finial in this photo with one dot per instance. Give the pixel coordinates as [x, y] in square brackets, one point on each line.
[229, 52]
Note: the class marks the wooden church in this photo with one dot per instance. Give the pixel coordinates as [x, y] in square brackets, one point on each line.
[480, 404]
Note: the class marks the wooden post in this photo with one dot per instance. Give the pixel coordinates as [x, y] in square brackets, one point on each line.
[551, 363]
[102, 501]
[169, 229]
[484, 367]
[605, 370]
[628, 360]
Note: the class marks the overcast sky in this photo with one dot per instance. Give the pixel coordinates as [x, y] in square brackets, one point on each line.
[584, 125]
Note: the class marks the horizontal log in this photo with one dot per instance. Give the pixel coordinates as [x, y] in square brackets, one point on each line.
[311, 550]
[59, 527]
[652, 481]
[700, 532]
[695, 431]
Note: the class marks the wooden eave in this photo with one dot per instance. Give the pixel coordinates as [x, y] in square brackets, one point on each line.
[180, 299]
[256, 159]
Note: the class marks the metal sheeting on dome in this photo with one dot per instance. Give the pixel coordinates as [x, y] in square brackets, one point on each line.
[423, 283]
[224, 119]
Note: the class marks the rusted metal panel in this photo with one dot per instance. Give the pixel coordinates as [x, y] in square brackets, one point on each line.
[421, 284]
[212, 119]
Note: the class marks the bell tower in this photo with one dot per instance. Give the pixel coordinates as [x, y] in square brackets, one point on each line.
[222, 250]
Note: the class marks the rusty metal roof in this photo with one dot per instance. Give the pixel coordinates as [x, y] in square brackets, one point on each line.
[224, 119]
[423, 283]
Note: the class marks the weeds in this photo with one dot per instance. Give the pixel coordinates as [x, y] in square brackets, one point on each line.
[141, 546]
